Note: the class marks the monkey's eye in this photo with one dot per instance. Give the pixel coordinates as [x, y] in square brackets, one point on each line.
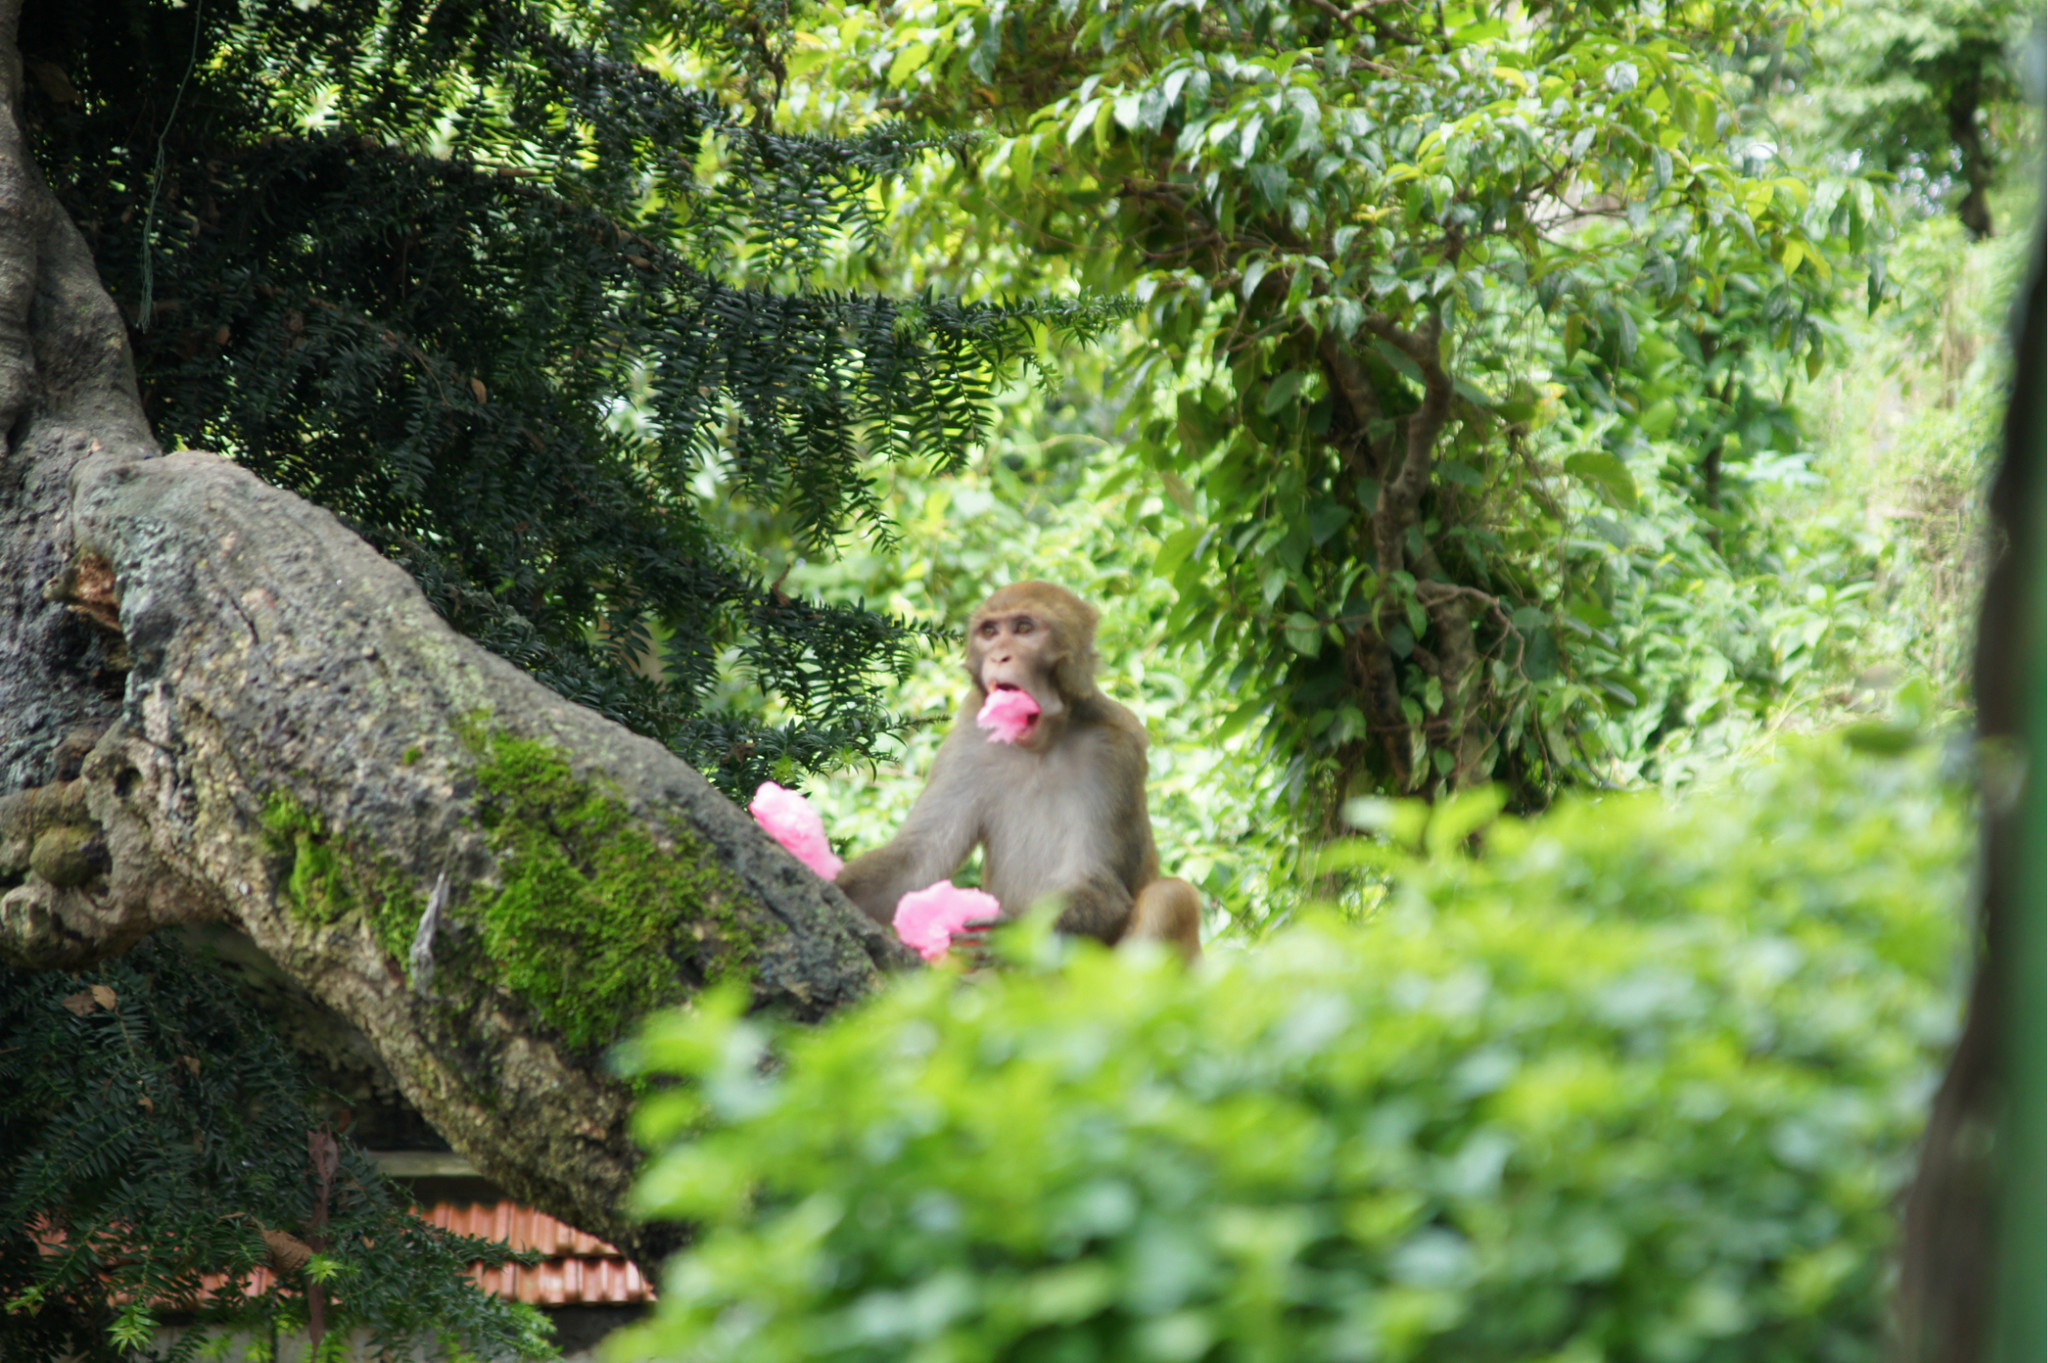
[1022, 626]
[988, 629]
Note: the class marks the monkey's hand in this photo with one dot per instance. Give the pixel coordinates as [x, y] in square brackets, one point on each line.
[974, 942]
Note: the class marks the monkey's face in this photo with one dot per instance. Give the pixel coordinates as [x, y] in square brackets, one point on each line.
[1019, 650]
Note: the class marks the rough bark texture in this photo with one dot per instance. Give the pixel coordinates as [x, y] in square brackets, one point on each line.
[1401, 462]
[216, 703]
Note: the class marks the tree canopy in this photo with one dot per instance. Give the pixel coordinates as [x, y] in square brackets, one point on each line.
[1420, 284]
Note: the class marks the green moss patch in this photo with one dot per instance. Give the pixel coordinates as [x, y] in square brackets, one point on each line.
[317, 885]
[593, 922]
[325, 880]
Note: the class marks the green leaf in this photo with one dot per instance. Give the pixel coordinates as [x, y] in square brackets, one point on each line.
[1304, 634]
[133, 1329]
[1399, 359]
[1617, 692]
[1611, 530]
[907, 61]
[1462, 815]
[1607, 473]
[1282, 390]
[1234, 723]
[1294, 547]
[1882, 739]
[1253, 273]
[1658, 418]
[1326, 520]
[1173, 551]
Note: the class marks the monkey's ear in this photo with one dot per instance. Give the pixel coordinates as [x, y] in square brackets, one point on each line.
[970, 663]
[1074, 672]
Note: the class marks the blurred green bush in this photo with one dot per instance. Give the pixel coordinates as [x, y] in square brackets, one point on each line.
[1640, 1081]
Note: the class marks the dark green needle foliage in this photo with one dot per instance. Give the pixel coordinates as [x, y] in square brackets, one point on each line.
[495, 291]
[152, 1129]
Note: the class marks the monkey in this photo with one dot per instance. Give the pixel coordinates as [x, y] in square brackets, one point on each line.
[1061, 812]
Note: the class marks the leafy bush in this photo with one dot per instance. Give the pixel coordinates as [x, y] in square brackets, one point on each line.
[1640, 1082]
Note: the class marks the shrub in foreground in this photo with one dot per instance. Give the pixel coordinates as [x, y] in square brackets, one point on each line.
[1640, 1082]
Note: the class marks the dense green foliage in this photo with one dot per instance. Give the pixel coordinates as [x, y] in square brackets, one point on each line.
[1430, 294]
[494, 288]
[1853, 572]
[152, 1129]
[1911, 434]
[1925, 90]
[1641, 1081]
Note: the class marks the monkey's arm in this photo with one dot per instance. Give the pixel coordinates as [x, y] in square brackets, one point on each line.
[942, 829]
[1100, 897]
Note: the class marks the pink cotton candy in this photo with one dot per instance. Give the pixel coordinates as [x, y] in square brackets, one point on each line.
[791, 821]
[927, 919]
[1007, 715]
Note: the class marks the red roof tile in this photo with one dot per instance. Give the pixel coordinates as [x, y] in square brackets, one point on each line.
[580, 1270]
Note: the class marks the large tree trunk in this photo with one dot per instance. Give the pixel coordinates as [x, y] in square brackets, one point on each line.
[216, 703]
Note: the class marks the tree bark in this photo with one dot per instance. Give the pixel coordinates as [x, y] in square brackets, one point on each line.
[1368, 661]
[1454, 728]
[216, 703]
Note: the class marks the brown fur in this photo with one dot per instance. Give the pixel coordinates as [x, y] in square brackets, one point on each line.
[1062, 812]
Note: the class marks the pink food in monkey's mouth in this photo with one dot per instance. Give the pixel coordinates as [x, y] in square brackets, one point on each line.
[1007, 714]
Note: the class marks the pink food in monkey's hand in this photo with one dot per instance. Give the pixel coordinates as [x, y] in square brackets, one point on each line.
[791, 821]
[927, 919]
[1007, 715]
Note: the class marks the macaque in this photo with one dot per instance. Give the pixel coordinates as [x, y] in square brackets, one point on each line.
[1060, 812]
